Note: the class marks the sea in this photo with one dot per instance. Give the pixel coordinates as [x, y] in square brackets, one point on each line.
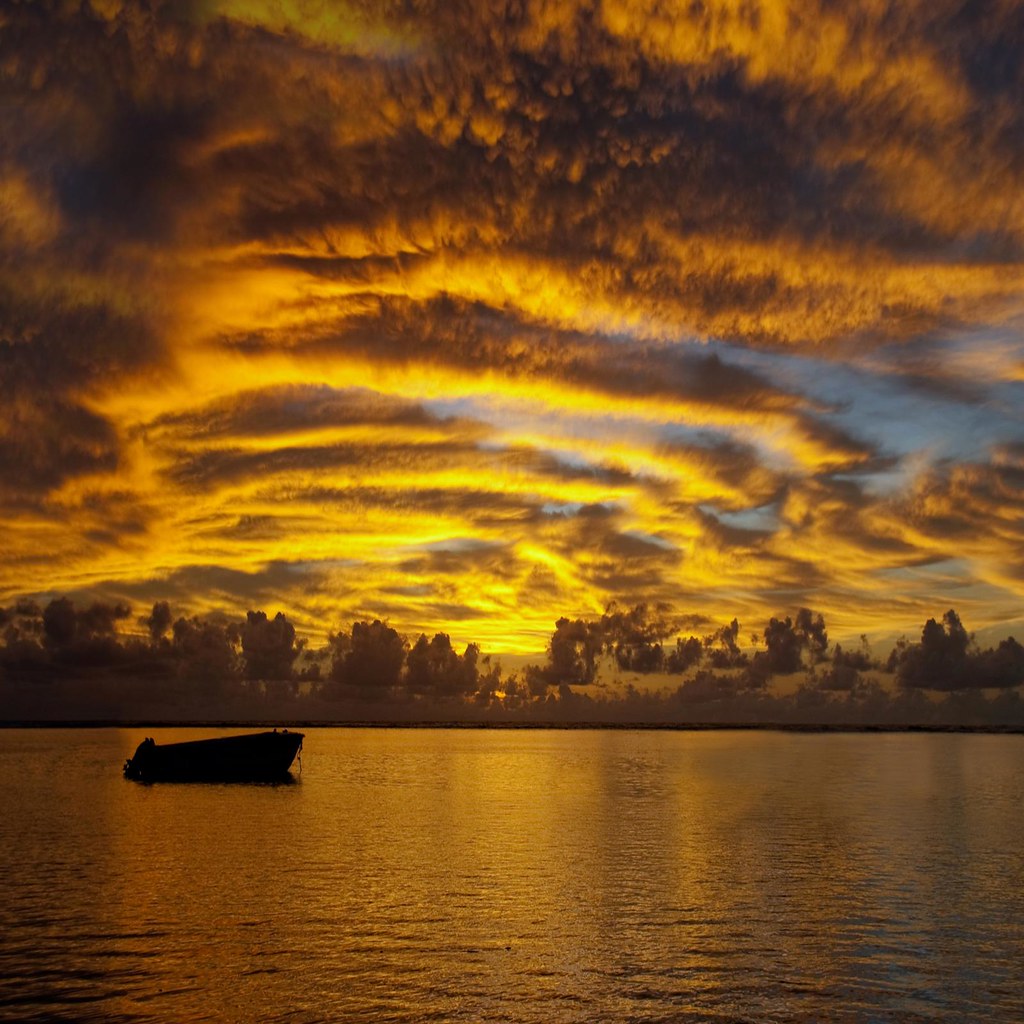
[547, 875]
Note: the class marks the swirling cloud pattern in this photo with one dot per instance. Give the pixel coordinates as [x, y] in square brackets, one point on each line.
[475, 315]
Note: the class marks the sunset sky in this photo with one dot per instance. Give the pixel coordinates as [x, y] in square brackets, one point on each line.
[471, 315]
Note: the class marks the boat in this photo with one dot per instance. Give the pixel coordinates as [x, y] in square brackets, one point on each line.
[253, 757]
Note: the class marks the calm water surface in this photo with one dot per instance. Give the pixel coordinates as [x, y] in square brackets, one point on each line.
[453, 875]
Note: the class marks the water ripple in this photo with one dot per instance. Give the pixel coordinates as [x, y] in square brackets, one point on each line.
[522, 877]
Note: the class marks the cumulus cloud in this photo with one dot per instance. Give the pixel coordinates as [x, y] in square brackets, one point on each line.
[947, 658]
[268, 646]
[89, 660]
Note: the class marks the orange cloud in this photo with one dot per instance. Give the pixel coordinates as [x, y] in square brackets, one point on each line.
[477, 317]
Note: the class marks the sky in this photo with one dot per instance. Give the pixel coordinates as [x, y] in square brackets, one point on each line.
[471, 316]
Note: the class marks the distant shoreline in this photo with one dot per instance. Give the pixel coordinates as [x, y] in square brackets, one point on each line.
[142, 723]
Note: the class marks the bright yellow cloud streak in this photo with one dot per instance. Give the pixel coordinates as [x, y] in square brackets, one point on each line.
[341, 26]
[190, 528]
[289, 304]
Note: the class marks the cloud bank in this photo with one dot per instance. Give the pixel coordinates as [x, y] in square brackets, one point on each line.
[630, 666]
[471, 317]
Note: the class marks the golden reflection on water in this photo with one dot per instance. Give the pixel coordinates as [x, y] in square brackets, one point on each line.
[522, 876]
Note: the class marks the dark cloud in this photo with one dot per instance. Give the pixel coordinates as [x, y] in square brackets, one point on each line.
[434, 669]
[56, 345]
[484, 507]
[217, 467]
[736, 464]
[64, 624]
[844, 671]
[494, 559]
[45, 442]
[491, 115]
[268, 646]
[971, 504]
[205, 653]
[293, 408]
[472, 336]
[731, 538]
[221, 466]
[948, 659]
[224, 587]
[572, 656]
[983, 42]
[786, 640]
[366, 662]
[138, 179]
[258, 665]
[159, 620]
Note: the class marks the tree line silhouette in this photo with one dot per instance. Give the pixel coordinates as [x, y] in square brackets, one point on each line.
[97, 657]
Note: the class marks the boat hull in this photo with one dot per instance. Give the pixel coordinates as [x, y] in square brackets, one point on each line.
[255, 757]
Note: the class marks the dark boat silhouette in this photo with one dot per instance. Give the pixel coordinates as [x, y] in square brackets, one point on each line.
[254, 757]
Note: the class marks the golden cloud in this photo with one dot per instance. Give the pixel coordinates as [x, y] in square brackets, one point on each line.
[481, 317]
